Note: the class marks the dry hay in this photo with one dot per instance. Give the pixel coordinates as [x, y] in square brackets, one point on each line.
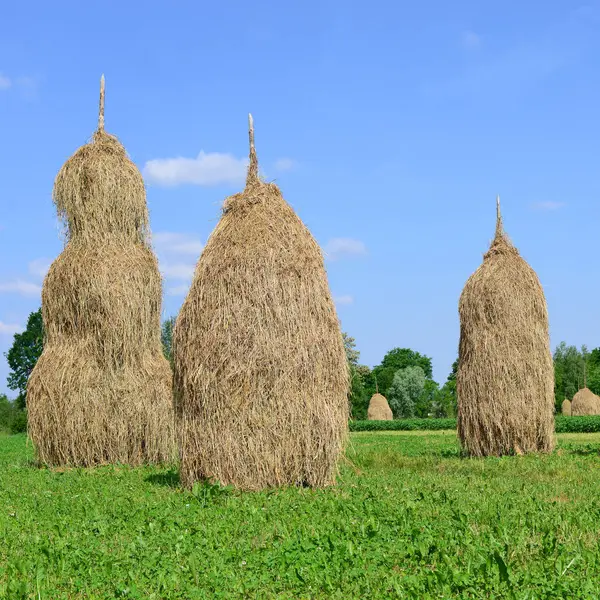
[585, 402]
[505, 380]
[379, 409]
[566, 407]
[261, 377]
[101, 390]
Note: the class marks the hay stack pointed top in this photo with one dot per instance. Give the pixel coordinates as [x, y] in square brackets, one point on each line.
[252, 176]
[505, 379]
[99, 191]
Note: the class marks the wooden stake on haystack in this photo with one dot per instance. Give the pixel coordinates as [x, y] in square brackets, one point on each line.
[101, 109]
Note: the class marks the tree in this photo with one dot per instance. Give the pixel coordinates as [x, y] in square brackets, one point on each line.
[424, 406]
[571, 371]
[23, 355]
[406, 389]
[352, 354]
[166, 337]
[394, 360]
[445, 403]
[357, 395]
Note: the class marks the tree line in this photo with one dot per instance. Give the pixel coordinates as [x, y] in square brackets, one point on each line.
[404, 376]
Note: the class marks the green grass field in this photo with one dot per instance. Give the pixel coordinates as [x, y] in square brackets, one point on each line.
[409, 519]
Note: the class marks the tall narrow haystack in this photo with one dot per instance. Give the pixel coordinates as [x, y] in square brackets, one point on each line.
[585, 403]
[101, 390]
[566, 407]
[261, 378]
[379, 409]
[505, 379]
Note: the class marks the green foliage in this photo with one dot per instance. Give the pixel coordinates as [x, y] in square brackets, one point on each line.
[403, 425]
[589, 424]
[409, 518]
[562, 424]
[23, 355]
[357, 395]
[394, 360]
[445, 402]
[166, 337]
[573, 370]
[424, 405]
[405, 391]
[12, 418]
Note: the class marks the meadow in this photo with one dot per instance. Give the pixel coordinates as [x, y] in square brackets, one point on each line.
[409, 518]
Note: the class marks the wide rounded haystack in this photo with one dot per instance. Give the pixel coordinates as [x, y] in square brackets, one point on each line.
[585, 403]
[261, 377]
[566, 407]
[101, 390]
[505, 379]
[379, 409]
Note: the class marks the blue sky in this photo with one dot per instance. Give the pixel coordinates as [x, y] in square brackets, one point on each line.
[389, 126]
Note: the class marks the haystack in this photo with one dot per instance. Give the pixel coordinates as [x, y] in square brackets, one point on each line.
[566, 407]
[379, 409]
[101, 390]
[585, 402]
[505, 379]
[260, 372]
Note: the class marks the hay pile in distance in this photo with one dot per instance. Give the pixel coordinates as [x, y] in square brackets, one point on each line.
[585, 403]
[101, 390]
[566, 407]
[505, 379]
[379, 409]
[260, 372]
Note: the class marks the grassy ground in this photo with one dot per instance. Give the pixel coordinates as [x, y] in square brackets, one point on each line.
[409, 519]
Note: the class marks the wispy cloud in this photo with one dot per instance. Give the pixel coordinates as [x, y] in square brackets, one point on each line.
[285, 164]
[39, 267]
[337, 248]
[343, 300]
[24, 288]
[180, 271]
[470, 39]
[9, 329]
[177, 243]
[5, 82]
[207, 169]
[178, 290]
[548, 205]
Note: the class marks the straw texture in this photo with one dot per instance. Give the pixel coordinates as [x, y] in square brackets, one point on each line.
[584, 403]
[261, 377]
[101, 390]
[505, 379]
[379, 409]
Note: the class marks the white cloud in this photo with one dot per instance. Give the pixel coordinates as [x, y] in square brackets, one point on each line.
[343, 299]
[39, 267]
[9, 329]
[24, 288]
[28, 86]
[471, 40]
[5, 82]
[341, 247]
[177, 243]
[548, 205]
[212, 168]
[178, 271]
[179, 290]
[285, 164]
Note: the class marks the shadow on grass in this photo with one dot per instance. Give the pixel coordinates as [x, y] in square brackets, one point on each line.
[584, 451]
[167, 479]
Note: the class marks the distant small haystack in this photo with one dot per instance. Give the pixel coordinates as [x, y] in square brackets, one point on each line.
[101, 390]
[260, 372]
[505, 379]
[584, 403]
[566, 407]
[379, 409]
